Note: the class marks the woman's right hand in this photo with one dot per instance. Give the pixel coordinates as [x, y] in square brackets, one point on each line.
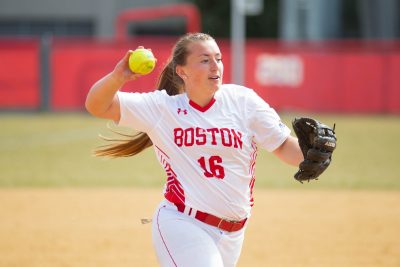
[121, 72]
[102, 100]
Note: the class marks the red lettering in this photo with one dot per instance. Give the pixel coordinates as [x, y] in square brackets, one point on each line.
[237, 138]
[201, 136]
[202, 163]
[214, 168]
[178, 136]
[189, 137]
[226, 137]
[198, 136]
[213, 131]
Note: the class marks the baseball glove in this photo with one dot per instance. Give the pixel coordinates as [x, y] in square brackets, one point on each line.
[317, 142]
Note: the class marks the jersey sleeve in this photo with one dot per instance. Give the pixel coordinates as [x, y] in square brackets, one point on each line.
[269, 131]
[140, 111]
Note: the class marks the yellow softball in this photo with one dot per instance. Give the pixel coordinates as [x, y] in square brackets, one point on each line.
[142, 61]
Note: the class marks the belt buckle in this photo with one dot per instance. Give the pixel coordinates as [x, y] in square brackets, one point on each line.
[220, 221]
[232, 222]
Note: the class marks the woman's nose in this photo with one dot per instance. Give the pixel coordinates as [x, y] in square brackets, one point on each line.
[214, 64]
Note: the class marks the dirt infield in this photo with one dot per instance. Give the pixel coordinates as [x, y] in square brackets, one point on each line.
[101, 227]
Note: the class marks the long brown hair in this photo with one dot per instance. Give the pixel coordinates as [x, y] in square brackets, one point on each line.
[168, 81]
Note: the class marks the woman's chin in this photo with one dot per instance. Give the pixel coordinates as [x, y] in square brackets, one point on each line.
[215, 85]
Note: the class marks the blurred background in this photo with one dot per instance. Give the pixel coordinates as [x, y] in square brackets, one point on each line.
[313, 55]
[335, 60]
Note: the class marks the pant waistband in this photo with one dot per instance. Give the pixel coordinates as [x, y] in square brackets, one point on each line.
[223, 224]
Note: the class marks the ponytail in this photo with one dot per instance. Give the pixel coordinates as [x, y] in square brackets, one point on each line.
[168, 81]
[138, 142]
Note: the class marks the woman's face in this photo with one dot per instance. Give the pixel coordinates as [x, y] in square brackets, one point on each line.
[203, 71]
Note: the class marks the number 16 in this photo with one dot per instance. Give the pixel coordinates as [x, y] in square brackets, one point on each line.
[214, 168]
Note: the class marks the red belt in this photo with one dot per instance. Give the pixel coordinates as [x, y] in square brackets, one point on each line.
[226, 225]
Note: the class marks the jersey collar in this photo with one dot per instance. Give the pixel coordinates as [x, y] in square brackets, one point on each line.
[200, 108]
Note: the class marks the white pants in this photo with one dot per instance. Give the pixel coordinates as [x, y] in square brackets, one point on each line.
[182, 241]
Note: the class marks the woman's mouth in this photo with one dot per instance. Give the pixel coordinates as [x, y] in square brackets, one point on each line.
[215, 77]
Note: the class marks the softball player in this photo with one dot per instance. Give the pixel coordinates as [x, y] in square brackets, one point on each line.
[205, 135]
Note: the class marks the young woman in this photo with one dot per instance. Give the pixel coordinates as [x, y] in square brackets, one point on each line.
[205, 135]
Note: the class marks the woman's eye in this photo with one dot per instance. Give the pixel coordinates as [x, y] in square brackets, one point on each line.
[208, 60]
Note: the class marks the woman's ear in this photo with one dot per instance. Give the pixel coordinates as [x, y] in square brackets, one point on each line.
[181, 73]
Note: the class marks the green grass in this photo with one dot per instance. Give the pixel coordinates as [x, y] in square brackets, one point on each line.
[55, 150]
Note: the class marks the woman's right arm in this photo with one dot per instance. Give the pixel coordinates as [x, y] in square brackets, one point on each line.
[102, 100]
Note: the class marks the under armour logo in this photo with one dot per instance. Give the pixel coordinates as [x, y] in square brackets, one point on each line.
[182, 110]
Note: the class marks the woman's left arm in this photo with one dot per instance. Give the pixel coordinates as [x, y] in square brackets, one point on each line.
[290, 151]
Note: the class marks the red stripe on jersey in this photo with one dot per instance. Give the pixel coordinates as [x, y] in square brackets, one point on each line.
[200, 108]
[160, 150]
[173, 189]
[252, 168]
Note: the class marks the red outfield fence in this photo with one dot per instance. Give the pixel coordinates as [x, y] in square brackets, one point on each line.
[19, 74]
[339, 76]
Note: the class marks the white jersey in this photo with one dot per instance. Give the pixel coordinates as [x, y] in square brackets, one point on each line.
[208, 153]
